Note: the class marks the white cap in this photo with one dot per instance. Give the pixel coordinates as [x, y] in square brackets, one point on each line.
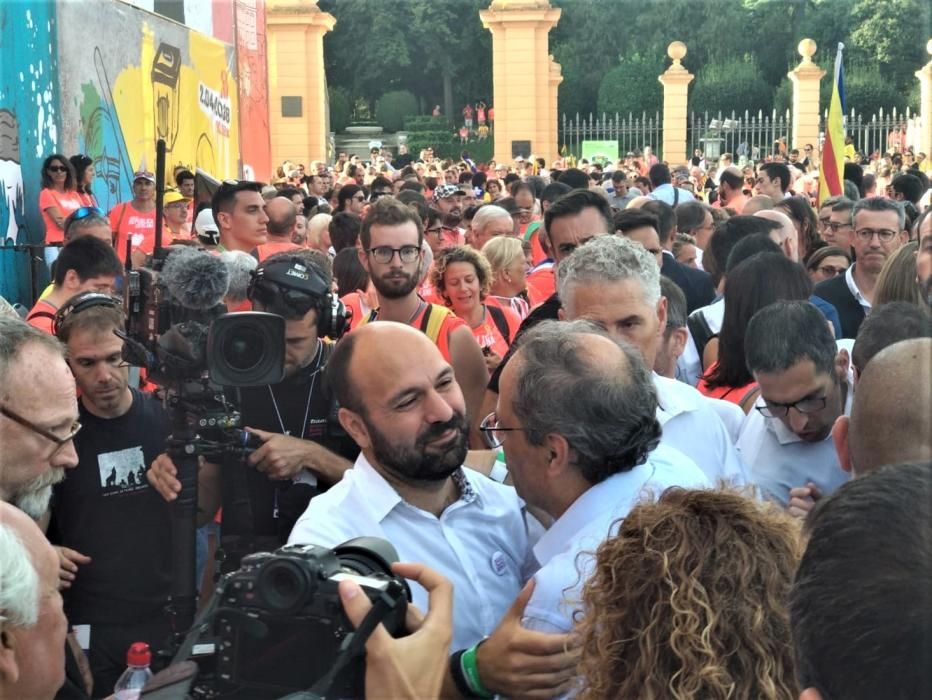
[204, 224]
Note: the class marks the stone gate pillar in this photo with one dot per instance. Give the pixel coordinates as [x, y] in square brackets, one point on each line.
[806, 78]
[523, 79]
[675, 81]
[925, 105]
[297, 84]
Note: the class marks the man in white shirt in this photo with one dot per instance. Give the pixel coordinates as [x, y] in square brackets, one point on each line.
[615, 283]
[408, 485]
[786, 439]
[585, 460]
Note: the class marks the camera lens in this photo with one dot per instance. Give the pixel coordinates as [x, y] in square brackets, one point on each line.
[284, 586]
[244, 350]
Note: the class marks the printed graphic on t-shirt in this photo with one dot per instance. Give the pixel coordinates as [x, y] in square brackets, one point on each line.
[123, 471]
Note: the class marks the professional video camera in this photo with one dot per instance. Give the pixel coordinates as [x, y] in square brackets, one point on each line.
[278, 627]
[178, 331]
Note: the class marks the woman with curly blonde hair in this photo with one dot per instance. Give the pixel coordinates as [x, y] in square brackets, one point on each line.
[689, 600]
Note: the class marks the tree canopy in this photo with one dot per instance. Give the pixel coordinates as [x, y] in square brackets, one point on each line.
[439, 51]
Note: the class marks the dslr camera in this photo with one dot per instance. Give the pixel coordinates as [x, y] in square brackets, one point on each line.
[278, 625]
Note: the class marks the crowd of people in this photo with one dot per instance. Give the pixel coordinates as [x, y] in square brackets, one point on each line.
[641, 430]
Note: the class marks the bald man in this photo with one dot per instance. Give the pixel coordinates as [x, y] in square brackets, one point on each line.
[757, 203]
[408, 484]
[32, 622]
[785, 236]
[884, 427]
[283, 218]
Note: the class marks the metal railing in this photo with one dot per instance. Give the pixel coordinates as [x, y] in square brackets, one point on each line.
[631, 133]
[883, 131]
[746, 136]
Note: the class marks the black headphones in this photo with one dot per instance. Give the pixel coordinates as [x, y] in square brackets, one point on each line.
[83, 302]
[292, 282]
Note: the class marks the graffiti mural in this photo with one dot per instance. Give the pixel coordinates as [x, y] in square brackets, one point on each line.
[29, 130]
[162, 80]
[253, 88]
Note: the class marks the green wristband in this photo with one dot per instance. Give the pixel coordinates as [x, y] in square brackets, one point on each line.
[471, 673]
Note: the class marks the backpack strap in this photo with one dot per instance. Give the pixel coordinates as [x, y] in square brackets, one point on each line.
[498, 317]
[432, 321]
[700, 331]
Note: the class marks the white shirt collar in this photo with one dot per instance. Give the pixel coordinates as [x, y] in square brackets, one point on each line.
[381, 498]
[853, 288]
[671, 399]
[598, 499]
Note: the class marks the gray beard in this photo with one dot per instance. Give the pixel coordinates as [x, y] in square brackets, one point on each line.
[33, 497]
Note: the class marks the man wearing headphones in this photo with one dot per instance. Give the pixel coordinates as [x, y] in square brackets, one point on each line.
[303, 449]
[108, 524]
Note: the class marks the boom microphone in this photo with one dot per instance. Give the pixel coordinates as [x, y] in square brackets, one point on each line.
[195, 279]
[240, 266]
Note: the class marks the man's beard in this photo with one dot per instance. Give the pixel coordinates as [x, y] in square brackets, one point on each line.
[414, 462]
[391, 285]
[33, 497]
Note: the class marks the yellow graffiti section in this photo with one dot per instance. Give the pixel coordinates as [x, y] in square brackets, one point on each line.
[192, 106]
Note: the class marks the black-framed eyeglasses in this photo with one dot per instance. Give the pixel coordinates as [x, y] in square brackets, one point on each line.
[772, 409]
[493, 433]
[836, 226]
[832, 270]
[436, 230]
[885, 235]
[383, 254]
[26, 423]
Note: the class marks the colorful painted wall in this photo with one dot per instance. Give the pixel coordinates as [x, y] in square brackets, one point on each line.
[110, 92]
[161, 80]
[29, 130]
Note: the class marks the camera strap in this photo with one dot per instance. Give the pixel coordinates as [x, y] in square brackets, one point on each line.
[354, 644]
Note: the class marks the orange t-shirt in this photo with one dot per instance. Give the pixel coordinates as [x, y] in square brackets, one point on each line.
[489, 335]
[65, 202]
[42, 322]
[449, 324]
[538, 255]
[541, 285]
[134, 225]
[266, 249]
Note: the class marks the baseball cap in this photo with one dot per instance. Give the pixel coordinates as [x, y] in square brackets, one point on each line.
[143, 175]
[172, 196]
[445, 191]
[204, 224]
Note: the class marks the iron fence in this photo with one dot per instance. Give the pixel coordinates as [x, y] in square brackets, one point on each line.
[631, 133]
[747, 136]
[883, 131]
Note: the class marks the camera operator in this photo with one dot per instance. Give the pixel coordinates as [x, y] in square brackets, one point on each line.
[109, 523]
[302, 446]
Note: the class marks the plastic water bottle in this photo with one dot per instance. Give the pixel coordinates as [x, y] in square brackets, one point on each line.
[137, 674]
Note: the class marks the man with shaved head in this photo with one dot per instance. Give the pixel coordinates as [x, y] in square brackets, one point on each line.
[400, 402]
[892, 411]
[283, 217]
[785, 236]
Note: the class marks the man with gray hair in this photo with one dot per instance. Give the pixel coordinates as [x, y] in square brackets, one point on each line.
[584, 460]
[879, 231]
[32, 623]
[615, 284]
[38, 416]
[490, 221]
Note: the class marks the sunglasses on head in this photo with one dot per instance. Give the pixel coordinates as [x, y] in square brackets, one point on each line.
[85, 212]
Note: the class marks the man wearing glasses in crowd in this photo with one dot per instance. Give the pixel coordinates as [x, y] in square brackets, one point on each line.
[804, 387]
[879, 230]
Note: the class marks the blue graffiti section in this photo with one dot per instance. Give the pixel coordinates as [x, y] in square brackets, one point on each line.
[29, 130]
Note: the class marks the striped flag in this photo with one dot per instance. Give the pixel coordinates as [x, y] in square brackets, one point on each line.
[831, 174]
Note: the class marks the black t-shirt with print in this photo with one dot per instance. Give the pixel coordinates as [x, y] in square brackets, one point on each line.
[106, 509]
[302, 405]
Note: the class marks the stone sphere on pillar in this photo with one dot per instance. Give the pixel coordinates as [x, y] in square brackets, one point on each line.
[807, 49]
[676, 51]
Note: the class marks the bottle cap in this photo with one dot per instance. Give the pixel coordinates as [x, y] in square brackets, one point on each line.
[138, 654]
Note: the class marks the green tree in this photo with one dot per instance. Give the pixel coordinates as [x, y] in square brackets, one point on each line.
[733, 85]
[892, 35]
[393, 107]
[632, 86]
[340, 108]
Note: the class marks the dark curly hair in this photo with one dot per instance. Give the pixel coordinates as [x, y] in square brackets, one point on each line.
[689, 600]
